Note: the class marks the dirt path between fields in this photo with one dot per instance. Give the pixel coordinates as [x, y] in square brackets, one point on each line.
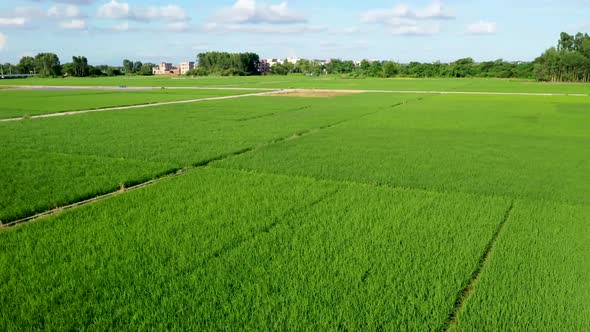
[126, 88]
[289, 90]
[264, 92]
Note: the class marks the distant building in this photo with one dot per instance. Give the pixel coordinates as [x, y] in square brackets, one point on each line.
[185, 67]
[272, 62]
[163, 69]
[293, 60]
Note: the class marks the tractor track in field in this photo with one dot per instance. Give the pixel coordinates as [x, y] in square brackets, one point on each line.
[470, 288]
[180, 171]
[266, 229]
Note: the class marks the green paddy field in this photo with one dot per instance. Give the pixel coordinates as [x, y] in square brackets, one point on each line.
[371, 211]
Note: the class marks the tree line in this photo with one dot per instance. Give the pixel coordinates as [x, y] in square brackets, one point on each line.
[568, 62]
[239, 64]
[226, 64]
[461, 68]
[49, 65]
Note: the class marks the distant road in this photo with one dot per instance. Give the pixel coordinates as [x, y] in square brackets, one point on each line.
[113, 88]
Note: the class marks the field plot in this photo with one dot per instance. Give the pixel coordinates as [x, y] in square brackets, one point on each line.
[165, 138]
[539, 277]
[18, 103]
[221, 249]
[524, 147]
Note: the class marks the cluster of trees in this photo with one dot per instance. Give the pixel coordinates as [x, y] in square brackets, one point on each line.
[226, 64]
[137, 68]
[569, 61]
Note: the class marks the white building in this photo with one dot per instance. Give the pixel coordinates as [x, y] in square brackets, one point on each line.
[163, 69]
[272, 62]
[185, 67]
[293, 60]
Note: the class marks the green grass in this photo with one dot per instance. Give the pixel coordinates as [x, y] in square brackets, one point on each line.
[361, 212]
[539, 275]
[220, 249]
[164, 138]
[18, 103]
[524, 147]
[37, 181]
[323, 82]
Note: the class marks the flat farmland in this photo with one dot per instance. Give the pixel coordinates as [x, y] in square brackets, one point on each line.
[323, 82]
[22, 103]
[492, 145]
[99, 152]
[303, 211]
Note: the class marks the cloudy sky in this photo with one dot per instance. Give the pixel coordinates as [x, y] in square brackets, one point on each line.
[106, 31]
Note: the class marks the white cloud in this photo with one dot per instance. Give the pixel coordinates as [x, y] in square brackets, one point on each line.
[60, 11]
[75, 24]
[114, 10]
[75, 2]
[263, 28]
[482, 28]
[249, 11]
[578, 27]
[345, 31]
[416, 29]
[120, 27]
[122, 10]
[177, 27]
[3, 40]
[434, 11]
[12, 22]
[403, 20]
[170, 12]
[29, 12]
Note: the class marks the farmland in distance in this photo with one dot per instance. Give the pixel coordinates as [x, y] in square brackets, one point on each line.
[302, 211]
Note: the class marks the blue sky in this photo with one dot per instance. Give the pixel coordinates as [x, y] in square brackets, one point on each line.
[107, 31]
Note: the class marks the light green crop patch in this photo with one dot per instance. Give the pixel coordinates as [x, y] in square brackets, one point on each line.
[218, 249]
[538, 277]
[20, 103]
[507, 146]
[94, 153]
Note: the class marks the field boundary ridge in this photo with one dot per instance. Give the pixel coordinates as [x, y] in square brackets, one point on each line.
[467, 291]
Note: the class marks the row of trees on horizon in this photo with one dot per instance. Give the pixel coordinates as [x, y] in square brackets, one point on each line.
[569, 61]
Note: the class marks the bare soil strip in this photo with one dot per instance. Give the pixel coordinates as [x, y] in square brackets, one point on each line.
[52, 115]
[305, 93]
[468, 290]
[127, 88]
[340, 91]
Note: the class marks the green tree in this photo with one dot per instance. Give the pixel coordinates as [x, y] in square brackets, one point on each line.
[47, 65]
[146, 69]
[138, 67]
[128, 66]
[80, 64]
[26, 65]
[390, 69]
[376, 69]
